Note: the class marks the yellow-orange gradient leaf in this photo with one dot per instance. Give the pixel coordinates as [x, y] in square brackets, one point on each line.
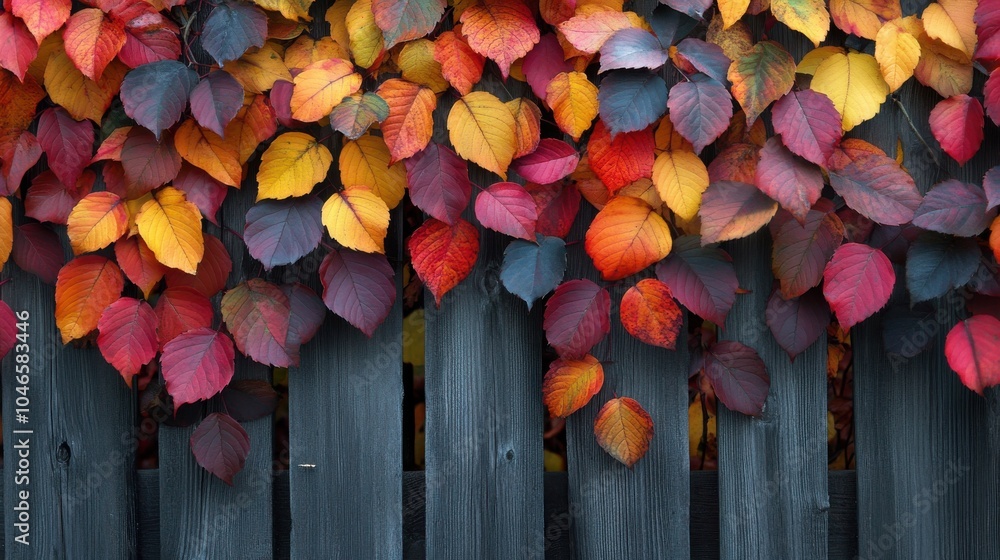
[171, 226]
[357, 219]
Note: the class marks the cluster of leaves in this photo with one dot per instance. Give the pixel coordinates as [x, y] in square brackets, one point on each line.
[171, 142]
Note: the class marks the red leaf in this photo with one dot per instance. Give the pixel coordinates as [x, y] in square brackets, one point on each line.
[621, 160]
[507, 208]
[148, 163]
[738, 376]
[800, 251]
[67, 143]
[542, 64]
[809, 124]
[736, 162]
[212, 273]
[257, 312]
[37, 250]
[700, 110]
[202, 189]
[443, 255]
[570, 384]
[92, 41]
[798, 322]
[731, 210]
[957, 124]
[25, 154]
[145, 44]
[48, 200]
[551, 161]
[991, 96]
[221, 446]
[703, 279]
[955, 208]
[216, 100]
[139, 263]
[877, 187]
[972, 347]
[8, 327]
[358, 287]
[792, 181]
[501, 30]
[17, 45]
[649, 313]
[857, 282]
[438, 181]
[556, 206]
[41, 16]
[181, 310]
[127, 336]
[577, 317]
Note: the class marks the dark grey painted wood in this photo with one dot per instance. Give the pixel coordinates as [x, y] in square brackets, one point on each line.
[82, 445]
[927, 447]
[202, 517]
[773, 469]
[619, 512]
[483, 375]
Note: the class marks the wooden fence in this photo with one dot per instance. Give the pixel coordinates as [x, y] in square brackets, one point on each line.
[927, 483]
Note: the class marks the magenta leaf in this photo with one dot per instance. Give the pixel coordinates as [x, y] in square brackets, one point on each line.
[738, 376]
[197, 364]
[359, 287]
[798, 322]
[507, 208]
[858, 281]
[221, 446]
[577, 317]
[438, 181]
[702, 279]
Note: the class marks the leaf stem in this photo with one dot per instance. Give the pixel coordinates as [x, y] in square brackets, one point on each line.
[913, 127]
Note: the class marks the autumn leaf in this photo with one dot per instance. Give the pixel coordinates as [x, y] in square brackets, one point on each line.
[897, 53]
[231, 29]
[357, 113]
[366, 41]
[438, 181]
[680, 178]
[156, 94]
[620, 160]
[761, 77]
[220, 445]
[197, 364]
[624, 429]
[626, 236]
[809, 125]
[460, 64]
[738, 376]
[649, 313]
[405, 20]
[367, 162]
[857, 282]
[864, 18]
[257, 313]
[321, 86]
[280, 232]
[216, 100]
[808, 17]
[291, 166]
[41, 16]
[127, 336]
[588, 32]
[97, 221]
[854, 83]
[443, 255]
[971, 347]
[569, 384]
[139, 263]
[577, 317]
[482, 129]
[733, 210]
[507, 208]
[527, 126]
[410, 123]
[793, 182]
[17, 46]
[180, 309]
[357, 219]
[631, 100]
[531, 270]
[171, 227]
[501, 30]
[700, 110]
[92, 41]
[957, 124]
[417, 65]
[573, 99]
[85, 287]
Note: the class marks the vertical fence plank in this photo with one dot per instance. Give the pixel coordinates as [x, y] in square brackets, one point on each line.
[80, 475]
[927, 447]
[202, 517]
[617, 512]
[773, 497]
[484, 418]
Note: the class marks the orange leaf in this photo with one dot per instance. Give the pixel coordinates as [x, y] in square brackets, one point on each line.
[97, 221]
[624, 430]
[41, 16]
[649, 313]
[82, 97]
[139, 263]
[6, 230]
[573, 99]
[621, 160]
[208, 151]
[995, 238]
[570, 384]
[443, 255]
[588, 32]
[626, 236]
[253, 123]
[321, 86]
[410, 123]
[84, 288]
[501, 30]
[93, 41]
[527, 124]
[258, 70]
[460, 65]
[357, 219]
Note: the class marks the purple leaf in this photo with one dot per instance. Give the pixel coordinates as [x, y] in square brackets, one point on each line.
[221, 446]
[358, 287]
[577, 317]
[216, 100]
[738, 376]
[280, 232]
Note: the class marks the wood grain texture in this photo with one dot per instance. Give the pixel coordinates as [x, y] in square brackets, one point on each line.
[617, 512]
[927, 447]
[201, 516]
[82, 449]
[483, 374]
[773, 469]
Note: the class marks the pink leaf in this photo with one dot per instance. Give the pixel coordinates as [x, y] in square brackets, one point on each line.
[577, 316]
[551, 161]
[507, 208]
[957, 124]
[857, 282]
[972, 347]
[197, 364]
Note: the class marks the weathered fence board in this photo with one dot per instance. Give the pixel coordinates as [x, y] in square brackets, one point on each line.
[617, 512]
[201, 516]
[81, 445]
[773, 469]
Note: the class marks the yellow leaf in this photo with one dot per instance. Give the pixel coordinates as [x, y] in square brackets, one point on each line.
[133, 205]
[952, 23]
[732, 11]
[897, 53]
[365, 162]
[666, 138]
[291, 9]
[306, 50]
[209, 152]
[680, 178]
[367, 43]
[854, 83]
[258, 70]
[573, 99]
[321, 86]
[171, 227]
[808, 17]
[417, 63]
[483, 131]
[357, 219]
[336, 16]
[6, 230]
[82, 97]
[96, 221]
[291, 166]
[811, 61]
[736, 41]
